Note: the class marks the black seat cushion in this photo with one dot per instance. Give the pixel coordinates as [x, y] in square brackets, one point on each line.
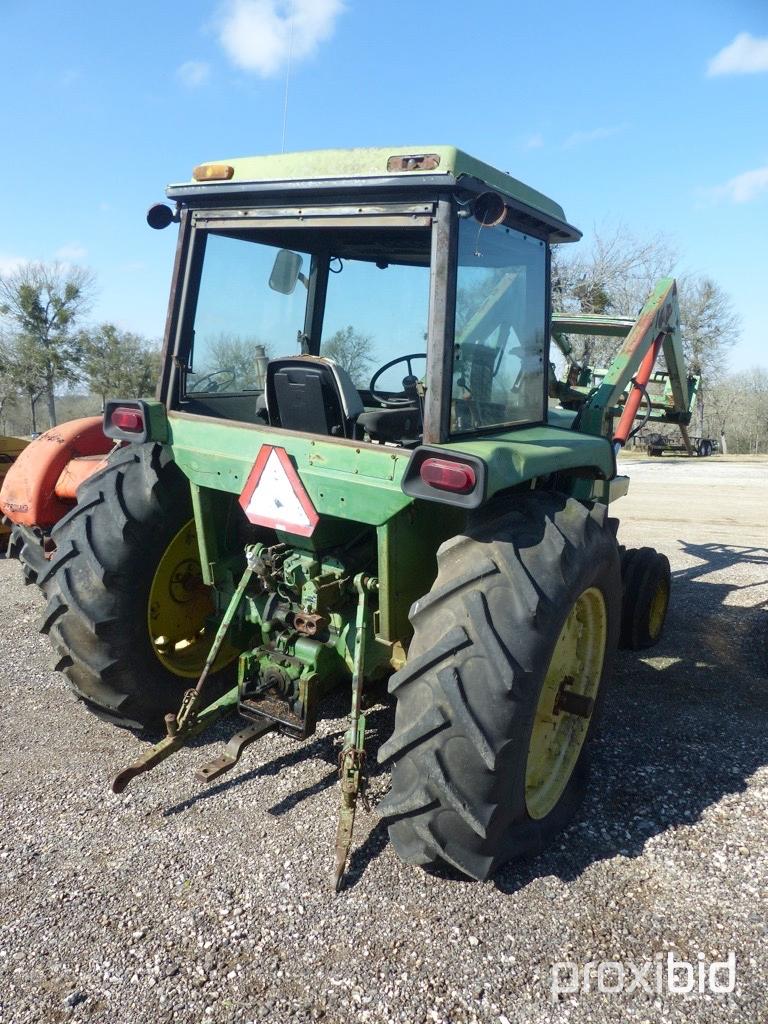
[311, 394]
[390, 424]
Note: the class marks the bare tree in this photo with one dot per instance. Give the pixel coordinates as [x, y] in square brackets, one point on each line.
[41, 304]
[737, 412]
[710, 328]
[617, 274]
[614, 276]
[244, 358]
[723, 404]
[352, 351]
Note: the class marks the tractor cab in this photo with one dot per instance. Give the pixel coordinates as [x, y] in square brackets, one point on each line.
[383, 296]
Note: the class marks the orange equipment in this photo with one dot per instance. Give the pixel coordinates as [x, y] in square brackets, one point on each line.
[39, 488]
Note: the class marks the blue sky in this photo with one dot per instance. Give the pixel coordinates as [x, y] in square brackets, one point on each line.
[650, 114]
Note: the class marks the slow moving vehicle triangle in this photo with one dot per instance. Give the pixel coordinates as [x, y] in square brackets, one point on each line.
[275, 496]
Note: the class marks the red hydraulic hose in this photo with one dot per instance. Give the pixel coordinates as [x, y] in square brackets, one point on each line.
[632, 403]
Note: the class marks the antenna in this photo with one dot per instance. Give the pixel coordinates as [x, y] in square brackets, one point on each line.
[288, 72]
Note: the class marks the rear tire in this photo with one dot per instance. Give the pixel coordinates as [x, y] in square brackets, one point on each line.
[98, 585]
[469, 696]
[28, 546]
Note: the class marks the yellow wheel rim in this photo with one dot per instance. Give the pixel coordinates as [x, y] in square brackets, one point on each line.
[566, 703]
[658, 609]
[179, 605]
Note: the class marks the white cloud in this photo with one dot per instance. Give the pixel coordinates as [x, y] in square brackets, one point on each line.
[593, 135]
[9, 264]
[73, 252]
[257, 35]
[744, 187]
[535, 141]
[746, 55]
[193, 73]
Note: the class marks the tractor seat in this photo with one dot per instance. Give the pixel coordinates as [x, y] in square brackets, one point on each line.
[312, 394]
[394, 425]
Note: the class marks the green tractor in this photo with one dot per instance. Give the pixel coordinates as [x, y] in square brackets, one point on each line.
[361, 467]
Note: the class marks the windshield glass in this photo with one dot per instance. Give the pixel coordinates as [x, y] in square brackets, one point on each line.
[253, 297]
[242, 318]
[498, 368]
[375, 314]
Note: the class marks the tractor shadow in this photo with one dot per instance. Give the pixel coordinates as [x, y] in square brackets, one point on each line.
[686, 723]
[324, 749]
[380, 723]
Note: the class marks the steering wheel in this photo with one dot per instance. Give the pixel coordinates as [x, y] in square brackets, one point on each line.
[197, 389]
[395, 403]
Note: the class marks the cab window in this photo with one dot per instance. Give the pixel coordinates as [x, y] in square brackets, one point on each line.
[498, 364]
[244, 315]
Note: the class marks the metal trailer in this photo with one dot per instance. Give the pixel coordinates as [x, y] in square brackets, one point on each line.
[656, 444]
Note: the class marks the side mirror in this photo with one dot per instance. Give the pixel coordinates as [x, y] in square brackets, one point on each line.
[285, 272]
[159, 216]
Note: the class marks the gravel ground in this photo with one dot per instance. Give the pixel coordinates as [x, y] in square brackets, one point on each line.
[174, 903]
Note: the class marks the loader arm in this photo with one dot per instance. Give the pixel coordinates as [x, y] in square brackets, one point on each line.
[656, 330]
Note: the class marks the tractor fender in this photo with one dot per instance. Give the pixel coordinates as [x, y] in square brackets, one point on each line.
[40, 487]
[10, 448]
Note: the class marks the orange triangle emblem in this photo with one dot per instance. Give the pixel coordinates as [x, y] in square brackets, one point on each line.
[274, 495]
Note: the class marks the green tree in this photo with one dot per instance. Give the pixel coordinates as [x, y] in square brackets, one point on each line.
[8, 384]
[23, 372]
[350, 350]
[117, 363]
[41, 304]
[245, 359]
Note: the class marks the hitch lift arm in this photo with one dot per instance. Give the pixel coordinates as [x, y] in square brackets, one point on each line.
[189, 721]
[352, 757]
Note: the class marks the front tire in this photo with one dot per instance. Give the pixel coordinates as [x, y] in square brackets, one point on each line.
[128, 547]
[474, 781]
[647, 583]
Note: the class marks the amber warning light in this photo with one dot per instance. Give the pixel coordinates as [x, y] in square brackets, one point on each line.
[414, 162]
[213, 172]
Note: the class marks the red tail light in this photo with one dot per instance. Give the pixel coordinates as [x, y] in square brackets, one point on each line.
[448, 476]
[130, 420]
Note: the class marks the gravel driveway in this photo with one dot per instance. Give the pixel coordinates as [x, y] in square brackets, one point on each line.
[176, 903]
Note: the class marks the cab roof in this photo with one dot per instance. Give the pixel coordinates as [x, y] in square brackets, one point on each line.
[385, 167]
